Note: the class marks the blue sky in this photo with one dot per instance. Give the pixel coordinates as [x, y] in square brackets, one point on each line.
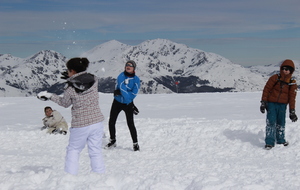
[255, 32]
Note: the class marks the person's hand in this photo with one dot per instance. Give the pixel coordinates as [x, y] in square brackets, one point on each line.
[263, 106]
[44, 95]
[64, 74]
[117, 92]
[135, 109]
[293, 115]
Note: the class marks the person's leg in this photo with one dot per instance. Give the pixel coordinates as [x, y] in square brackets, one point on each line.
[77, 141]
[50, 129]
[130, 123]
[271, 124]
[63, 126]
[114, 112]
[94, 147]
[280, 127]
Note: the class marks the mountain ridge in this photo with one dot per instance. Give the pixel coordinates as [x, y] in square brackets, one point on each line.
[162, 65]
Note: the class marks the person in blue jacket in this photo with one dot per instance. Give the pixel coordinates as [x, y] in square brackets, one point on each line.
[126, 90]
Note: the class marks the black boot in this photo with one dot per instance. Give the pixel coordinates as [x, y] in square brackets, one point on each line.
[136, 147]
[112, 143]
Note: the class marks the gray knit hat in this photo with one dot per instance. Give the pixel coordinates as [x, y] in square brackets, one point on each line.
[132, 62]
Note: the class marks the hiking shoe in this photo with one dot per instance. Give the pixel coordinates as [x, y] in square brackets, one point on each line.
[286, 143]
[111, 144]
[136, 147]
[268, 147]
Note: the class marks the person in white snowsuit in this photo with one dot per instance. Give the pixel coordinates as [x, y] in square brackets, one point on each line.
[54, 122]
[86, 125]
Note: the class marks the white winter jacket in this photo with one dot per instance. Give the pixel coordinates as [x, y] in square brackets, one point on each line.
[55, 121]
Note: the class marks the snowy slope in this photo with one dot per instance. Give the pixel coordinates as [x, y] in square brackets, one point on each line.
[8, 60]
[106, 51]
[188, 142]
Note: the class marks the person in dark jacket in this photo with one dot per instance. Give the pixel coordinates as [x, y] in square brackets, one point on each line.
[86, 125]
[127, 88]
[279, 91]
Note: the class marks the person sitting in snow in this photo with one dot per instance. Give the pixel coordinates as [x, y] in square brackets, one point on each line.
[54, 122]
[280, 90]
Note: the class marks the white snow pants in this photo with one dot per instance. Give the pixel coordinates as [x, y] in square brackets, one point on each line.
[79, 137]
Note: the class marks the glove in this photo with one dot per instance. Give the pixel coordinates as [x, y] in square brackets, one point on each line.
[135, 109]
[117, 92]
[293, 115]
[65, 75]
[263, 106]
[44, 95]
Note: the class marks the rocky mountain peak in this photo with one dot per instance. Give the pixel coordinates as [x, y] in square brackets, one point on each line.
[162, 65]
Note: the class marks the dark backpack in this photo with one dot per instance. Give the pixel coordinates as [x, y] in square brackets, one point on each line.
[292, 81]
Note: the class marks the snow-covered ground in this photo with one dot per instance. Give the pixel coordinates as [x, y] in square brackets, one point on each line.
[206, 141]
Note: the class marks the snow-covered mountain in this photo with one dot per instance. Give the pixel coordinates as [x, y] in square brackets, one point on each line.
[25, 77]
[162, 65]
[268, 70]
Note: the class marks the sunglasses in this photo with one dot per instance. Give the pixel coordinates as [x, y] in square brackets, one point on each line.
[285, 69]
[129, 65]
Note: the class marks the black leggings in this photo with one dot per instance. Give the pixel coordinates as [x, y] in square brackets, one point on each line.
[116, 108]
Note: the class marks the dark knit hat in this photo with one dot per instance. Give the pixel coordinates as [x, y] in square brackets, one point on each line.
[132, 62]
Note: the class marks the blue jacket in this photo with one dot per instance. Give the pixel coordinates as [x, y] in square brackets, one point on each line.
[129, 87]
